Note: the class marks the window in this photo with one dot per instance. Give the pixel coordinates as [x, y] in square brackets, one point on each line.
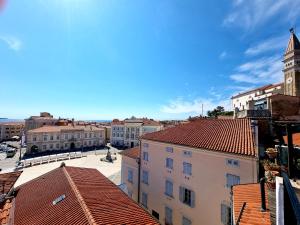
[144, 199]
[66, 136]
[155, 214]
[57, 146]
[129, 194]
[187, 196]
[130, 176]
[57, 137]
[169, 149]
[232, 162]
[85, 135]
[90, 135]
[187, 153]
[145, 145]
[186, 221]
[44, 147]
[34, 138]
[225, 214]
[51, 138]
[169, 163]
[78, 135]
[45, 137]
[145, 176]
[169, 216]
[232, 180]
[145, 156]
[187, 168]
[169, 188]
[51, 146]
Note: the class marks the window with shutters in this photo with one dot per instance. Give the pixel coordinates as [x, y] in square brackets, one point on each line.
[186, 221]
[169, 163]
[187, 168]
[145, 177]
[225, 214]
[169, 149]
[130, 176]
[232, 180]
[144, 199]
[169, 216]
[187, 196]
[169, 188]
[145, 156]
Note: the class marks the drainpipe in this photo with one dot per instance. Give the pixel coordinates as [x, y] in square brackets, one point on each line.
[138, 160]
[262, 194]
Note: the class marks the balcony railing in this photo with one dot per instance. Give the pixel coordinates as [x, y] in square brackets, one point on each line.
[262, 113]
[291, 202]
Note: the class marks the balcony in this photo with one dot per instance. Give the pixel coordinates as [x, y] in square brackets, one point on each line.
[262, 113]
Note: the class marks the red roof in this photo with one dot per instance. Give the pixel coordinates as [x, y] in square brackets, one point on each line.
[263, 88]
[90, 198]
[7, 181]
[133, 153]
[231, 136]
[4, 212]
[296, 139]
[251, 215]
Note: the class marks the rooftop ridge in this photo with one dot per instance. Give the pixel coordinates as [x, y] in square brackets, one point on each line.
[80, 199]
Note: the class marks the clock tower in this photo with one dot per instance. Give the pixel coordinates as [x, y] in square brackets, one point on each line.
[291, 68]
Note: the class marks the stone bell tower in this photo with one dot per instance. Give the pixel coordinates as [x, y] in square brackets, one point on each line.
[291, 68]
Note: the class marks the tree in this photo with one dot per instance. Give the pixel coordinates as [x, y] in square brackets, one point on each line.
[219, 111]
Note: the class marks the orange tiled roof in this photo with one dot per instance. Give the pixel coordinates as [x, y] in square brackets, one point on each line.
[90, 198]
[231, 136]
[296, 139]
[64, 128]
[132, 153]
[263, 88]
[252, 215]
[7, 181]
[5, 211]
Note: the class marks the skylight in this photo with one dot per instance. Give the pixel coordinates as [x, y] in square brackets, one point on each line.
[59, 199]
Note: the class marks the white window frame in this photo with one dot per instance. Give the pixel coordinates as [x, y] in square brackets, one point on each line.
[187, 168]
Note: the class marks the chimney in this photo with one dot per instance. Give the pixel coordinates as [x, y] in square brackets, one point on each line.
[262, 194]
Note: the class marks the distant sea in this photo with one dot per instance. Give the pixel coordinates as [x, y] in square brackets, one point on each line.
[6, 120]
[99, 121]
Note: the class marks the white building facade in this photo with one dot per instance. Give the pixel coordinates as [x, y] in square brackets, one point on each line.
[70, 137]
[126, 133]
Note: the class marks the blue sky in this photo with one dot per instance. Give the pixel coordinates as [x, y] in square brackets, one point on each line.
[163, 59]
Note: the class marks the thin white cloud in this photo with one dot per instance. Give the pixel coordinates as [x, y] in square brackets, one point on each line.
[250, 14]
[13, 42]
[263, 70]
[277, 43]
[194, 107]
[223, 55]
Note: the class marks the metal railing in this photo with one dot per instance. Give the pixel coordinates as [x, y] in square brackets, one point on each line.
[262, 113]
[240, 214]
[291, 203]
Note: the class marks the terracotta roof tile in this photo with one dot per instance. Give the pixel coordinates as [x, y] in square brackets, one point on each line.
[5, 208]
[64, 128]
[90, 198]
[252, 215]
[296, 139]
[7, 181]
[263, 88]
[231, 136]
[131, 153]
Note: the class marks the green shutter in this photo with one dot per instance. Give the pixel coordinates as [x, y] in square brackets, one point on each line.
[192, 199]
[181, 193]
